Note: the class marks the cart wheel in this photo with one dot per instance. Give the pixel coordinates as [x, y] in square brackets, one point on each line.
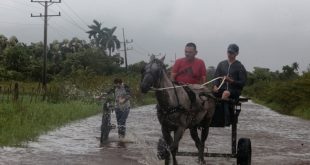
[105, 127]
[244, 151]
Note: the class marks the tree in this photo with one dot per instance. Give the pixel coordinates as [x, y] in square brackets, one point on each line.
[3, 43]
[12, 41]
[210, 72]
[18, 63]
[295, 66]
[112, 43]
[77, 45]
[137, 67]
[103, 38]
[36, 50]
[16, 58]
[261, 74]
[289, 72]
[96, 33]
[92, 61]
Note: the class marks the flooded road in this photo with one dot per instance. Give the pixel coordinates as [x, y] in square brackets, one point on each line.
[276, 139]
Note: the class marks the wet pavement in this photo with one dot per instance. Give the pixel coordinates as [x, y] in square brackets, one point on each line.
[276, 139]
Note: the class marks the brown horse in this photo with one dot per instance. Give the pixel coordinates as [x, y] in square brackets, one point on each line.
[178, 108]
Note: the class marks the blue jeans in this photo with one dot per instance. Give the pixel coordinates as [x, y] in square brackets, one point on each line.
[121, 117]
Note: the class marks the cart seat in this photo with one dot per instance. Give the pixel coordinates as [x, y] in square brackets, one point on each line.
[225, 111]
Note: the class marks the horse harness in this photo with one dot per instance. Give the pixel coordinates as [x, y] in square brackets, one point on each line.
[190, 114]
[179, 108]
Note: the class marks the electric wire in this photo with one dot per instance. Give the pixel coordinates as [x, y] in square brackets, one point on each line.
[74, 13]
[72, 21]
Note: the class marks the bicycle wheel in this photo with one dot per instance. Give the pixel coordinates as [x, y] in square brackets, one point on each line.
[106, 124]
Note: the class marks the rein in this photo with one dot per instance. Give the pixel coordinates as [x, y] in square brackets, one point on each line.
[179, 86]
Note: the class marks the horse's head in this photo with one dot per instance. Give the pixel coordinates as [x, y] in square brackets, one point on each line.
[152, 74]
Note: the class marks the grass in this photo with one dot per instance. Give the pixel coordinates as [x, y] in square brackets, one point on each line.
[290, 97]
[25, 120]
[302, 111]
[21, 121]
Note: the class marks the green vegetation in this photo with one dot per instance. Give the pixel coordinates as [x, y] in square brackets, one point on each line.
[22, 62]
[22, 121]
[76, 71]
[67, 100]
[285, 92]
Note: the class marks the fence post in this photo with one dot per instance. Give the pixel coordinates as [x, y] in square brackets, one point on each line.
[16, 92]
[1, 94]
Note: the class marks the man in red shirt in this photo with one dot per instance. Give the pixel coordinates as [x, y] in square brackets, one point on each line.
[189, 69]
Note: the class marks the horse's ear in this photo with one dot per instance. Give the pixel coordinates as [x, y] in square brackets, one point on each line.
[152, 57]
[162, 59]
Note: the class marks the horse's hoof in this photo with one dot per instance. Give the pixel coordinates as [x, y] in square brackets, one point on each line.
[202, 162]
[162, 152]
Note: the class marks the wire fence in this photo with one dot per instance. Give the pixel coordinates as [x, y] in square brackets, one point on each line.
[16, 92]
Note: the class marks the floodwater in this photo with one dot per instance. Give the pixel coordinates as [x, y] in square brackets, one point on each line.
[276, 139]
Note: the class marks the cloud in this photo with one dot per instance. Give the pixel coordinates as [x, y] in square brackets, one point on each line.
[270, 33]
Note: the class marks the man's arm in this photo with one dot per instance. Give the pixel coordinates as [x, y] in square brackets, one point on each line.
[203, 79]
[242, 74]
[217, 73]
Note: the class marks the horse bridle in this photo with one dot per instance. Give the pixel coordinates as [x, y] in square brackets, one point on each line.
[153, 75]
[159, 78]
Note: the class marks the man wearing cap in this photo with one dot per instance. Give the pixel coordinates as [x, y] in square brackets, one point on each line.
[234, 73]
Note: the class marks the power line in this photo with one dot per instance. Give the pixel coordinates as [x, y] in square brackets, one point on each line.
[5, 6]
[75, 13]
[125, 49]
[139, 52]
[58, 31]
[25, 4]
[18, 23]
[64, 29]
[73, 22]
[141, 48]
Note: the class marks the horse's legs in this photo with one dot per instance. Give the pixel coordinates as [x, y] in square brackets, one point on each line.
[175, 144]
[199, 143]
[167, 137]
[204, 136]
[194, 135]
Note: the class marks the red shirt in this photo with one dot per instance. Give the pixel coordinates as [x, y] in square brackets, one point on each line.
[189, 72]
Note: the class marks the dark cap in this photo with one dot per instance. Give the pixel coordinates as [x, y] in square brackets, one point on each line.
[233, 48]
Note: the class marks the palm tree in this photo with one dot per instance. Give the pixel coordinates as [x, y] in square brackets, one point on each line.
[112, 42]
[295, 66]
[103, 37]
[96, 32]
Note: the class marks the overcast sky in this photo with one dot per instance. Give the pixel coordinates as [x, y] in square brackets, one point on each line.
[270, 33]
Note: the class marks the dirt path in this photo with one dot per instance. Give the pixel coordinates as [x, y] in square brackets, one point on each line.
[276, 139]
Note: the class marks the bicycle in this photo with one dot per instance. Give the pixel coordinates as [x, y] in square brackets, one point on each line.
[107, 109]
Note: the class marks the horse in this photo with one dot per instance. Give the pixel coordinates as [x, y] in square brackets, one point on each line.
[179, 107]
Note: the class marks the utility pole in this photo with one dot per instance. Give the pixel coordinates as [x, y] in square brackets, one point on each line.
[45, 4]
[125, 49]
